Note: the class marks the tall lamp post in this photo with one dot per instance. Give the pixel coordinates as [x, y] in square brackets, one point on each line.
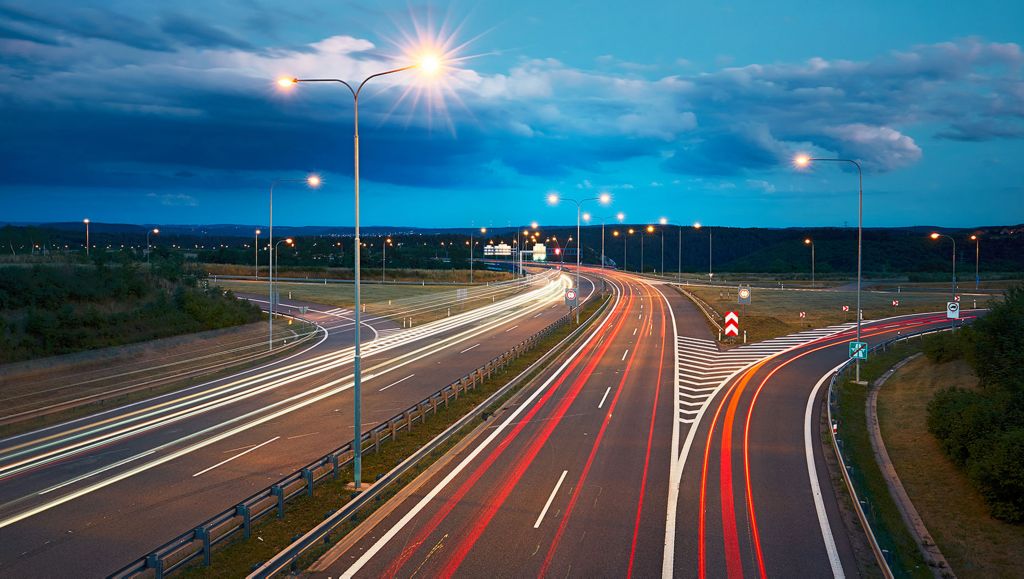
[805, 161]
[938, 235]
[620, 216]
[604, 199]
[430, 64]
[663, 221]
[483, 230]
[384, 259]
[156, 231]
[977, 259]
[625, 242]
[810, 242]
[257, 246]
[86, 222]
[648, 229]
[314, 182]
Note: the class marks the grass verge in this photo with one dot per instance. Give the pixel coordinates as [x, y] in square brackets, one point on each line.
[974, 543]
[879, 507]
[272, 535]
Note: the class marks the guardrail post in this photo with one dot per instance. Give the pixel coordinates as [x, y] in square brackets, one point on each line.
[392, 424]
[334, 465]
[242, 510]
[376, 440]
[308, 475]
[278, 492]
[154, 562]
[204, 535]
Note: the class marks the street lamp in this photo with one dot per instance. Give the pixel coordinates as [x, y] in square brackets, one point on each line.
[810, 242]
[603, 199]
[156, 231]
[289, 241]
[977, 258]
[625, 242]
[938, 235]
[648, 229]
[663, 221]
[257, 246]
[482, 231]
[431, 65]
[805, 161]
[384, 259]
[312, 181]
[620, 216]
[86, 222]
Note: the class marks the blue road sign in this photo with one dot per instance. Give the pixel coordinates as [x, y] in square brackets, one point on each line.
[859, 350]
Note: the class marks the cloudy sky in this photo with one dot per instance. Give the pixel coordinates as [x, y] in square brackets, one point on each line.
[167, 112]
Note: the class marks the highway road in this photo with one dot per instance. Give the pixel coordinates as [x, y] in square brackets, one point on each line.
[88, 496]
[647, 451]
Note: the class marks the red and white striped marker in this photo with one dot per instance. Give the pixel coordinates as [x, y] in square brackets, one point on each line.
[732, 324]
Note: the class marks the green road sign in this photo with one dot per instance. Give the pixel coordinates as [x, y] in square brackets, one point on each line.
[859, 350]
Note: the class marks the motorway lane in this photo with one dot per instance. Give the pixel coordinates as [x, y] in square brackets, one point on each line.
[132, 516]
[751, 481]
[583, 451]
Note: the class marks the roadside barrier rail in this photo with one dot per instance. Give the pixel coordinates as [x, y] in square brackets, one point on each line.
[238, 520]
[705, 308]
[862, 505]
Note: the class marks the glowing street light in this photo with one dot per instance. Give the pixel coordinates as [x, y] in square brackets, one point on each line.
[288, 241]
[311, 181]
[384, 259]
[936, 235]
[482, 231]
[430, 64]
[810, 242]
[86, 222]
[257, 246]
[604, 199]
[156, 231]
[803, 161]
[977, 257]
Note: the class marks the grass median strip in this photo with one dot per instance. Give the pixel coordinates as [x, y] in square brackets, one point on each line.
[879, 507]
[272, 535]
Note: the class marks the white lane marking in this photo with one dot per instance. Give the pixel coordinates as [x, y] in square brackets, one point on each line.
[640, 317]
[396, 382]
[469, 348]
[547, 505]
[512, 328]
[539, 314]
[624, 354]
[600, 404]
[812, 473]
[243, 453]
[95, 472]
[634, 331]
[301, 435]
[372, 551]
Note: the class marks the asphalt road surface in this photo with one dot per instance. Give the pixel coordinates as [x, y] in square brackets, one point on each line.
[86, 497]
[647, 452]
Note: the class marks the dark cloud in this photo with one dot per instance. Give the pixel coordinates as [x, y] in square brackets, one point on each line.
[89, 22]
[193, 32]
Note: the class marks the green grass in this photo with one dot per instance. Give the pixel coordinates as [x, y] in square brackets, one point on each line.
[881, 511]
[775, 312]
[271, 535]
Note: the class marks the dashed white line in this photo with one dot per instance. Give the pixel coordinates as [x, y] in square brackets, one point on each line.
[512, 328]
[547, 505]
[600, 404]
[223, 462]
[624, 354]
[634, 330]
[469, 348]
[399, 381]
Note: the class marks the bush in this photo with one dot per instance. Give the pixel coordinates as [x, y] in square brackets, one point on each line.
[983, 430]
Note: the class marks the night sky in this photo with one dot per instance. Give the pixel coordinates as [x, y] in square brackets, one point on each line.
[168, 112]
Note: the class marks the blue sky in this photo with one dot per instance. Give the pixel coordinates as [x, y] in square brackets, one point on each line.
[167, 112]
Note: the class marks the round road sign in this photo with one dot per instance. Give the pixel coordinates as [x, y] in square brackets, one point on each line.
[570, 294]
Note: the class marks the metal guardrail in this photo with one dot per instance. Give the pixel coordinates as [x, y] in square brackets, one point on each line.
[881, 555]
[200, 541]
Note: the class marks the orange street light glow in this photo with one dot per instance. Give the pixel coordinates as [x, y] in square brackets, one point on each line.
[650, 229]
[429, 63]
[696, 225]
[313, 180]
[605, 198]
[289, 241]
[934, 236]
[552, 198]
[286, 82]
[802, 160]
[807, 241]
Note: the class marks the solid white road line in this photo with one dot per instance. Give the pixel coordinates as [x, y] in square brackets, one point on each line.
[600, 404]
[624, 354]
[469, 348]
[396, 382]
[812, 473]
[554, 491]
[243, 453]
